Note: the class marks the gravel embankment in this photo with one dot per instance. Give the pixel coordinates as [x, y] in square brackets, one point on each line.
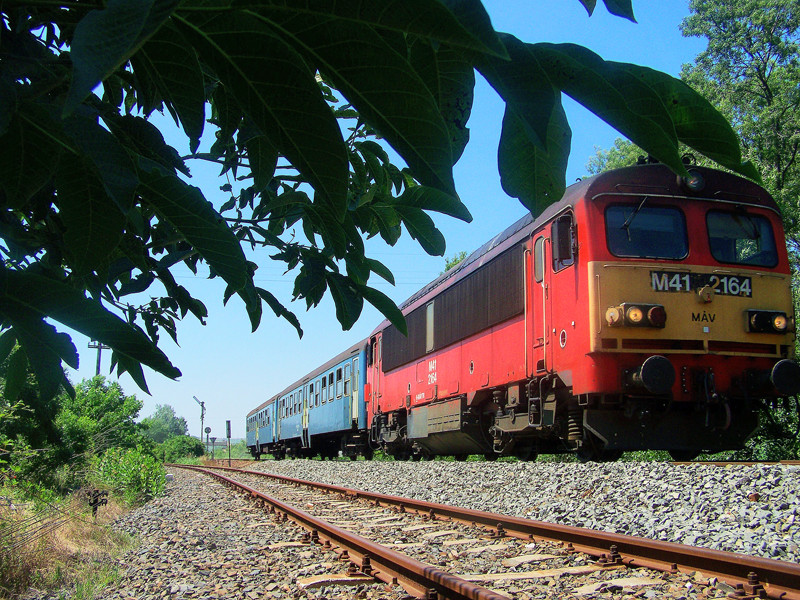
[748, 509]
[204, 541]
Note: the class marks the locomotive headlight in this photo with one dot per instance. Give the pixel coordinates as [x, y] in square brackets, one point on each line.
[694, 182]
[767, 321]
[780, 322]
[614, 316]
[657, 316]
[634, 315]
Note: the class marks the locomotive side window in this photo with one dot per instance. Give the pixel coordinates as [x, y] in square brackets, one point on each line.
[538, 260]
[429, 327]
[640, 231]
[741, 239]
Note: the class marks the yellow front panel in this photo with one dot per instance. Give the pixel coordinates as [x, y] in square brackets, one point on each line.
[718, 326]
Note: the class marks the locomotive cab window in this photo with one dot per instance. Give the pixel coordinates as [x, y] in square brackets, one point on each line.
[741, 239]
[642, 231]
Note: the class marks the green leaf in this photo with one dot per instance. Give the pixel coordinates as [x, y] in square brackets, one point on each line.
[346, 298]
[263, 158]
[529, 172]
[113, 163]
[280, 310]
[385, 305]
[187, 210]
[421, 227]
[170, 65]
[16, 375]
[621, 8]
[93, 224]
[697, 123]
[28, 159]
[145, 139]
[279, 94]
[615, 95]
[464, 24]
[525, 86]
[383, 86]
[45, 349]
[105, 39]
[7, 342]
[380, 269]
[431, 199]
[48, 297]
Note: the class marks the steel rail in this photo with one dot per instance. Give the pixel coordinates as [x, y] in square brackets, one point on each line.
[780, 579]
[376, 561]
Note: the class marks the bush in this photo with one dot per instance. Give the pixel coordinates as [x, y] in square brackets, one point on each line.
[135, 474]
[181, 446]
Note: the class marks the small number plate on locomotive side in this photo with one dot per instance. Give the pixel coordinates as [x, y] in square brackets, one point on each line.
[725, 285]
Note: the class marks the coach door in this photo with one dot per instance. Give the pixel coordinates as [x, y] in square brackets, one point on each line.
[374, 374]
[304, 420]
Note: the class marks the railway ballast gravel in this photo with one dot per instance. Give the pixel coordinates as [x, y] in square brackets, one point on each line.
[752, 510]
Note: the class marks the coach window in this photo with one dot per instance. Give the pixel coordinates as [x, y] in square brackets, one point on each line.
[741, 239]
[339, 382]
[316, 394]
[562, 234]
[538, 260]
[310, 395]
[324, 385]
[347, 379]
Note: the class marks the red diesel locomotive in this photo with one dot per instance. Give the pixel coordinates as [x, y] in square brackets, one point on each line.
[642, 311]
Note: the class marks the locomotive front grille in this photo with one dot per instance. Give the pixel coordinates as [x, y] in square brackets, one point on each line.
[692, 346]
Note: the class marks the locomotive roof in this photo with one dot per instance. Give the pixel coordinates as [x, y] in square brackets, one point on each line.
[637, 179]
[319, 370]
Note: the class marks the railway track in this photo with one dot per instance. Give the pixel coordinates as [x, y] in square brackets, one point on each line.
[432, 550]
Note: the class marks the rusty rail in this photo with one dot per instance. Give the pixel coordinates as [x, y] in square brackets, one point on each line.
[780, 579]
[372, 559]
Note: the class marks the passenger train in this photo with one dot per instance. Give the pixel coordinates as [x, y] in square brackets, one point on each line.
[643, 310]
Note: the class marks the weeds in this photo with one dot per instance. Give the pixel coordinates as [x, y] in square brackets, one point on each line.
[57, 545]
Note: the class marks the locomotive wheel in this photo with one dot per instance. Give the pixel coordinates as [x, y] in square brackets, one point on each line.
[526, 453]
[683, 455]
[591, 454]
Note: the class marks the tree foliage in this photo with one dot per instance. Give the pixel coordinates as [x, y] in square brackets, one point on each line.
[751, 72]
[95, 209]
[179, 447]
[163, 424]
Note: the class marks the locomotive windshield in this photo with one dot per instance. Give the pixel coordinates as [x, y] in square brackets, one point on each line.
[641, 231]
[741, 239]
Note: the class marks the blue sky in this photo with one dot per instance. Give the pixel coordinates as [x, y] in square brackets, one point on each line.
[232, 370]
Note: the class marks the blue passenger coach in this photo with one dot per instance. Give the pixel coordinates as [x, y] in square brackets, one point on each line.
[323, 413]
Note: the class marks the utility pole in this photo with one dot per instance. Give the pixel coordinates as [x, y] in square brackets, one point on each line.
[100, 347]
[202, 415]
